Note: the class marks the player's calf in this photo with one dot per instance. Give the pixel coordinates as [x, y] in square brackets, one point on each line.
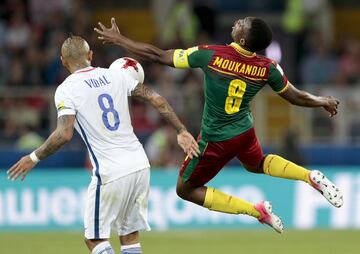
[130, 243]
[277, 166]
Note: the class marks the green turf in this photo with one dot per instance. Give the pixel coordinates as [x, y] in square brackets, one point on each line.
[209, 242]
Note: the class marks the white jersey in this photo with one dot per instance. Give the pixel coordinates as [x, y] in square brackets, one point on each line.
[99, 99]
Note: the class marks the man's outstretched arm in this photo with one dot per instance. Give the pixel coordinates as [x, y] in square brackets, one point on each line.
[63, 134]
[146, 51]
[185, 140]
[305, 99]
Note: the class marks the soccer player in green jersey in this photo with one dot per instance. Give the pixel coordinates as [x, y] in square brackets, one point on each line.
[233, 75]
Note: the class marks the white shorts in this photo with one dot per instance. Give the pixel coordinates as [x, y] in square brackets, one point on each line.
[120, 205]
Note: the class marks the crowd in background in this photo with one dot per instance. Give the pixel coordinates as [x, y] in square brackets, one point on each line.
[32, 33]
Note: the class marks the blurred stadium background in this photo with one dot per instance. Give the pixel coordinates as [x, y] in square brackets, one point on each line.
[317, 42]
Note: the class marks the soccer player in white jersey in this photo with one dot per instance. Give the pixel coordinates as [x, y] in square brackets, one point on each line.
[95, 102]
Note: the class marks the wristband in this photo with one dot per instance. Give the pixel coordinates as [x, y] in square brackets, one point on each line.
[34, 158]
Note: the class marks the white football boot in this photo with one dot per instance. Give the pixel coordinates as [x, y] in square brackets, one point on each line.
[268, 217]
[328, 189]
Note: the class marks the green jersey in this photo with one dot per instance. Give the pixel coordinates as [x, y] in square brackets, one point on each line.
[233, 76]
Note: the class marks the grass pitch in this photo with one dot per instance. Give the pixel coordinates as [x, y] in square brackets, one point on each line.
[208, 242]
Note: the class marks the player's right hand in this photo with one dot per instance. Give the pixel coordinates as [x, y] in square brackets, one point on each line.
[187, 142]
[21, 168]
[108, 35]
[331, 105]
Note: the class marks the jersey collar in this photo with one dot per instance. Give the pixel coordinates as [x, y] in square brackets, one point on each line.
[241, 50]
[86, 69]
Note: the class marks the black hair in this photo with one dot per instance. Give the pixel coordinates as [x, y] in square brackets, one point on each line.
[259, 35]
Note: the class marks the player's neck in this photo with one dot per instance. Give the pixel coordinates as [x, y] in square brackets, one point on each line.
[242, 49]
[78, 66]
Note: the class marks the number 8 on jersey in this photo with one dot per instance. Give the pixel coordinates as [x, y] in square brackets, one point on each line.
[107, 110]
[236, 92]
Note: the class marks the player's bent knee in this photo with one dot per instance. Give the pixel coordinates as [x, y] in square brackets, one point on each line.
[253, 169]
[180, 192]
[257, 168]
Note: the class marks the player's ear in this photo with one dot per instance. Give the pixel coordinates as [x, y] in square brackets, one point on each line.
[90, 55]
[242, 42]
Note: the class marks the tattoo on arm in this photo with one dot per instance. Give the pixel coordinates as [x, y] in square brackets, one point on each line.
[146, 94]
[167, 112]
[62, 134]
[142, 92]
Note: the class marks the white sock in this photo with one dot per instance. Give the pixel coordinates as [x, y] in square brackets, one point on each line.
[103, 248]
[131, 249]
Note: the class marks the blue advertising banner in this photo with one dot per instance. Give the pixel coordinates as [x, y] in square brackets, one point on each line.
[54, 200]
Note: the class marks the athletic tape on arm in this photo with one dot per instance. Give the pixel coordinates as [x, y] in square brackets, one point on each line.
[181, 56]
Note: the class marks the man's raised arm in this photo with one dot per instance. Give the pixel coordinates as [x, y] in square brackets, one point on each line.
[305, 99]
[146, 51]
[63, 134]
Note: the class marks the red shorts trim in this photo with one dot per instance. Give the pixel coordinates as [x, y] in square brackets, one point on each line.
[215, 155]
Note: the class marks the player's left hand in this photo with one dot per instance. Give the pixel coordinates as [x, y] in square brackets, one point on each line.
[108, 35]
[21, 168]
[187, 142]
